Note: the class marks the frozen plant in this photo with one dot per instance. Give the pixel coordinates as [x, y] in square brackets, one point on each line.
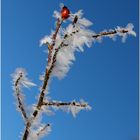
[61, 45]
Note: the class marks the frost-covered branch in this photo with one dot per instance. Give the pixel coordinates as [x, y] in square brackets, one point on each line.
[48, 71]
[73, 107]
[119, 31]
[52, 59]
[44, 130]
[19, 99]
[50, 46]
[61, 104]
[41, 131]
[20, 80]
[62, 45]
[75, 37]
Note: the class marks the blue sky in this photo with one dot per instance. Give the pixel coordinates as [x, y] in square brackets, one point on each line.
[106, 75]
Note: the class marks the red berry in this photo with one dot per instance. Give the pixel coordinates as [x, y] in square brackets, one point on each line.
[65, 13]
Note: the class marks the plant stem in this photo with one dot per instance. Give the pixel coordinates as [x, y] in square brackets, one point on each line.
[45, 83]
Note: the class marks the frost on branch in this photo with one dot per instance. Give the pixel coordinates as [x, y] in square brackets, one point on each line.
[76, 107]
[40, 132]
[37, 134]
[73, 107]
[83, 22]
[61, 44]
[20, 80]
[128, 28]
[45, 40]
[77, 35]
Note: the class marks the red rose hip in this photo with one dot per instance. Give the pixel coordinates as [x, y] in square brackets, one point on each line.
[65, 13]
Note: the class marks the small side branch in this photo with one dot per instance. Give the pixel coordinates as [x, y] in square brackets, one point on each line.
[44, 130]
[73, 107]
[109, 33]
[19, 98]
[61, 104]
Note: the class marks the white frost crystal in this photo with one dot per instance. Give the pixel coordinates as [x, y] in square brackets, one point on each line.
[23, 81]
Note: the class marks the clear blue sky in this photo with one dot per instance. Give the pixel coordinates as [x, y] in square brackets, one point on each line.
[106, 75]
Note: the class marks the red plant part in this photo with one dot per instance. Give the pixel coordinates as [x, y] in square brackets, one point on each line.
[65, 13]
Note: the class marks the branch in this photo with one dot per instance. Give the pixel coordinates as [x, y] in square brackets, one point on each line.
[101, 34]
[73, 107]
[44, 130]
[51, 65]
[49, 70]
[62, 44]
[19, 98]
[61, 104]
[47, 76]
[113, 32]
[58, 25]
[45, 83]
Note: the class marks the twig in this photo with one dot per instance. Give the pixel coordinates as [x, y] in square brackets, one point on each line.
[18, 92]
[60, 104]
[124, 31]
[58, 25]
[43, 129]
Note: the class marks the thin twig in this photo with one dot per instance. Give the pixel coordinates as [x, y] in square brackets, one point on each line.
[124, 31]
[58, 25]
[60, 104]
[18, 93]
[43, 129]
